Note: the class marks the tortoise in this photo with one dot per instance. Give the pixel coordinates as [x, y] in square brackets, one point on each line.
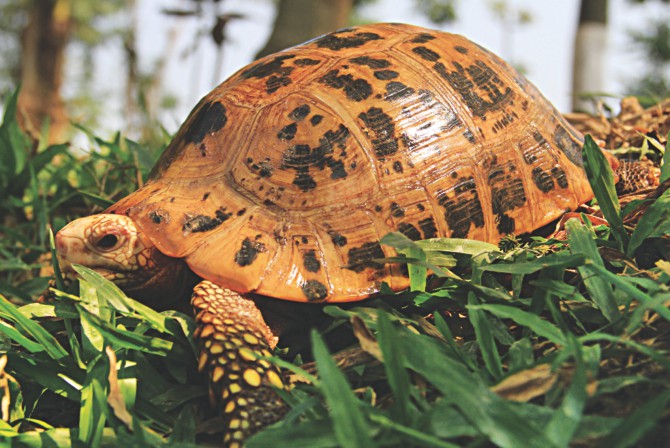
[283, 179]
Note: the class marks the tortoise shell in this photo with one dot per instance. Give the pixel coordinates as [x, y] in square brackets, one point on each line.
[284, 178]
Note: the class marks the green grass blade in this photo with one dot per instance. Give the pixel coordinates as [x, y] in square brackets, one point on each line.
[349, 421]
[532, 321]
[398, 377]
[485, 339]
[119, 301]
[582, 242]
[92, 413]
[410, 433]
[558, 261]
[665, 166]
[126, 339]
[633, 427]
[601, 179]
[494, 417]
[628, 287]
[566, 419]
[64, 381]
[41, 336]
[654, 223]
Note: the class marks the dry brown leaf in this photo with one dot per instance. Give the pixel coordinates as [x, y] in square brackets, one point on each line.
[527, 384]
[115, 397]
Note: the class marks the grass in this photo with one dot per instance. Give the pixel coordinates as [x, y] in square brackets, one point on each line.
[547, 343]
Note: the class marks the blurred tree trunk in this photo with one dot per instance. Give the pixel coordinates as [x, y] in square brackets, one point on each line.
[301, 20]
[43, 43]
[589, 56]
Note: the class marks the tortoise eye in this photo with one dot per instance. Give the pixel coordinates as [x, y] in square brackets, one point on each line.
[107, 242]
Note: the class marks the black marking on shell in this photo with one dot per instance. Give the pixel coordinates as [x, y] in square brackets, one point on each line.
[382, 128]
[542, 180]
[470, 136]
[274, 70]
[203, 149]
[159, 216]
[248, 252]
[396, 210]
[300, 113]
[371, 62]
[396, 91]
[559, 175]
[460, 49]
[570, 144]
[464, 208]
[209, 118]
[539, 138]
[314, 290]
[409, 231]
[426, 53]
[336, 43]
[422, 38]
[362, 257]
[378, 208]
[397, 166]
[337, 238]
[205, 196]
[428, 227]
[288, 132]
[504, 121]
[475, 82]
[204, 223]
[266, 169]
[306, 62]
[421, 207]
[356, 89]
[301, 158]
[309, 260]
[507, 193]
[505, 224]
[385, 75]
[241, 212]
[316, 119]
[273, 66]
[274, 83]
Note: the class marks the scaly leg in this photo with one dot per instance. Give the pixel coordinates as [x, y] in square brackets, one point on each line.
[231, 332]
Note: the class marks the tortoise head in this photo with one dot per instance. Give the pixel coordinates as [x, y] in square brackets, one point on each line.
[113, 246]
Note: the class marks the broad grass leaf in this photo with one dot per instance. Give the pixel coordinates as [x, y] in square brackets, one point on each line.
[312, 434]
[532, 321]
[397, 376]
[654, 223]
[558, 260]
[490, 414]
[485, 339]
[565, 420]
[120, 301]
[634, 426]
[582, 242]
[130, 340]
[601, 179]
[62, 380]
[349, 422]
[665, 166]
[32, 328]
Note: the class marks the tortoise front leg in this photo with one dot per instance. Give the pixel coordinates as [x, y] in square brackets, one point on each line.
[231, 332]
